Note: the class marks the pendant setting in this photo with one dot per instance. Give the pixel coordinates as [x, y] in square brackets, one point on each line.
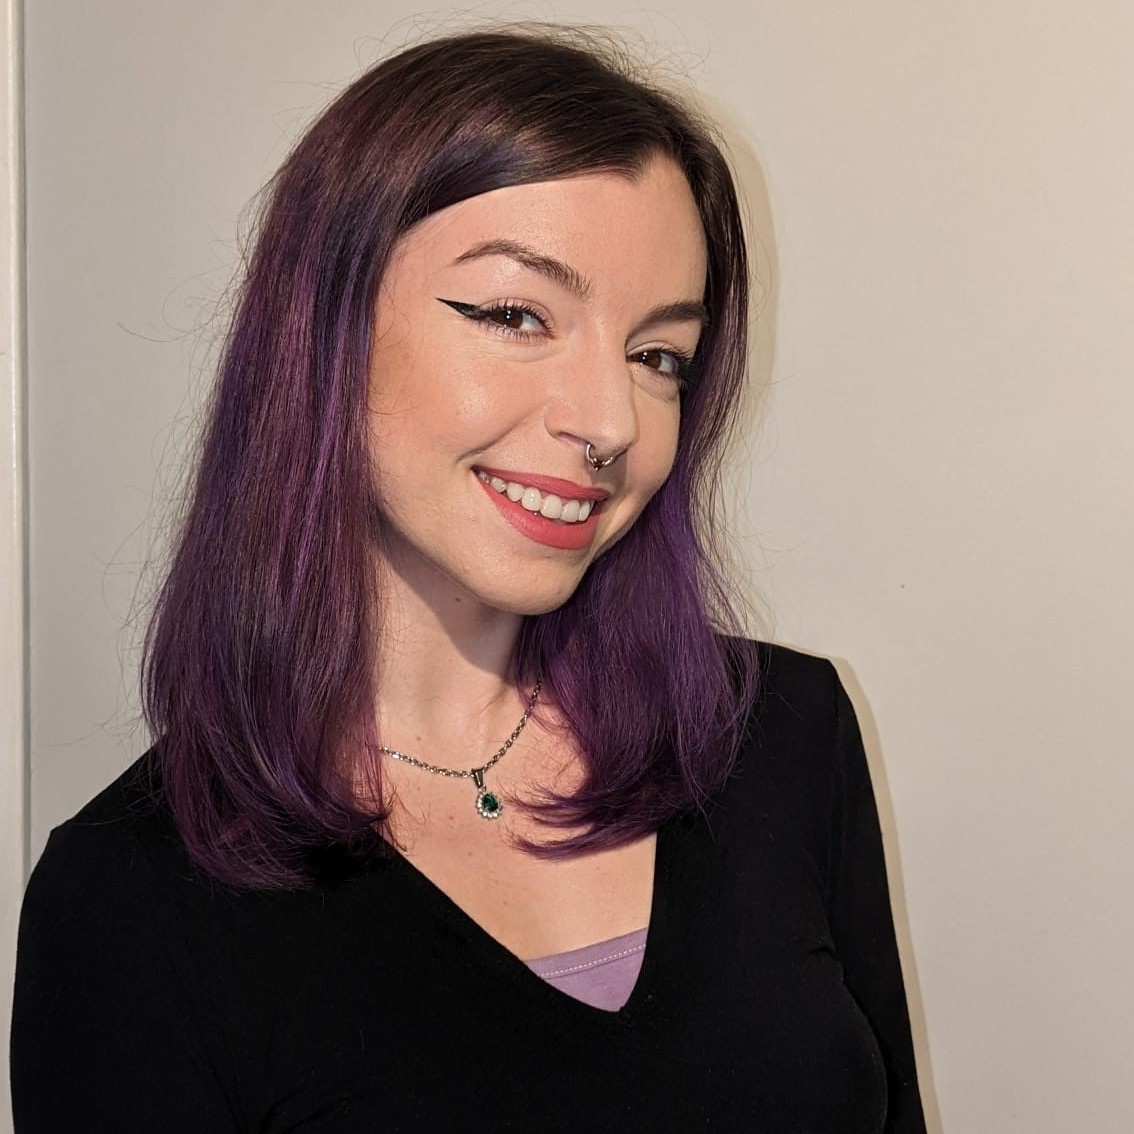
[488, 805]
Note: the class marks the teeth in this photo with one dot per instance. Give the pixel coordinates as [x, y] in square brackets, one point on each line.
[550, 506]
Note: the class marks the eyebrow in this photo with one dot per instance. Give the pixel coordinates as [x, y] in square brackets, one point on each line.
[555, 270]
[684, 311]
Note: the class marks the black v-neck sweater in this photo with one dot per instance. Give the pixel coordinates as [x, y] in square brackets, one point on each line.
[770, 998]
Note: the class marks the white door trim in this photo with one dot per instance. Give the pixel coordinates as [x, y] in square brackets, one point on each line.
[13, 523]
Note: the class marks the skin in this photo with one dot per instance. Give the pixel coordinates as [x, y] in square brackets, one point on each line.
[594, 360]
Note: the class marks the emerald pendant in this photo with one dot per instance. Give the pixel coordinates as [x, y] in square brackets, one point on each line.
[488, 806]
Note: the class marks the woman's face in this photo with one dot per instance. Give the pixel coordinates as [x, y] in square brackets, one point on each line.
[511, 330]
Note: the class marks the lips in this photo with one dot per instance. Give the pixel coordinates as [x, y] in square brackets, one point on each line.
[548, 510]
[547, 504]
[567, 489]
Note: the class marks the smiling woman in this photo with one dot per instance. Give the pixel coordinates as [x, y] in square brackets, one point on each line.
[452, 522]
[580, 308]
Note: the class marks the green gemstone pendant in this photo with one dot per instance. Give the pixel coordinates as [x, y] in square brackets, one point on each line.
[488, 806]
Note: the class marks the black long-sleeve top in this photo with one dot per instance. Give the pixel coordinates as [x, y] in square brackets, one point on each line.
[150, 999]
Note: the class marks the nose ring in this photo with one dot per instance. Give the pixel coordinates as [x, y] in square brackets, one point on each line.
[597, 463]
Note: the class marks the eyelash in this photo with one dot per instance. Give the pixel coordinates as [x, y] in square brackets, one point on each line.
[683, 363]
[483, 315]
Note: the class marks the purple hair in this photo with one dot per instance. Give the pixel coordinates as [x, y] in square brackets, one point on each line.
[260, 658]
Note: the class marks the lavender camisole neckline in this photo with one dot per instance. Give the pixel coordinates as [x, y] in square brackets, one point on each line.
[602, 975]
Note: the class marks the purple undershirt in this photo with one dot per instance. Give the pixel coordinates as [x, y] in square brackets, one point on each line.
[602, 975]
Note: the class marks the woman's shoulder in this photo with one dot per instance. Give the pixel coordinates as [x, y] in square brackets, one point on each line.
[115, 850]
[794, 682]
[108, 988]
[801, 732]
[793, 690]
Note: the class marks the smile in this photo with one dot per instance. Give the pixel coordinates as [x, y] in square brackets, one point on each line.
[529, 503]
[546, 504]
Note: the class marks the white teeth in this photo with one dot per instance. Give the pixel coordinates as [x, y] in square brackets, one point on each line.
[550, 506]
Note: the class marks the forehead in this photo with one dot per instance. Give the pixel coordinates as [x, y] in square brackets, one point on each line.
[621, 237]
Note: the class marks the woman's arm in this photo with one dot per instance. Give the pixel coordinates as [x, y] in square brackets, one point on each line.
[862, 923]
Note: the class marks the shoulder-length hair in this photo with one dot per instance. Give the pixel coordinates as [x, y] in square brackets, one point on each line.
[259, 668]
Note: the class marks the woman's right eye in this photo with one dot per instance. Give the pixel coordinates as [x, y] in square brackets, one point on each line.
[514, 318]
[511, 318]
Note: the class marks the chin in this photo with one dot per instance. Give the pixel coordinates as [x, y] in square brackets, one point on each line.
[527, 599]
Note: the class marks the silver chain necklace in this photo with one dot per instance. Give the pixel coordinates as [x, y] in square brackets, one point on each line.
[488, 804]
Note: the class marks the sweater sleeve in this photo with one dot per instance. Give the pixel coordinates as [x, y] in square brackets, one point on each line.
[862, 923]
[108, 1028]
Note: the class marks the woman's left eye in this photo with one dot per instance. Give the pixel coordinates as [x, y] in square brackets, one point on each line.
[670, 362]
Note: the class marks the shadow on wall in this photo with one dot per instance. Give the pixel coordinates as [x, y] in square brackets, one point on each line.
[746, 556]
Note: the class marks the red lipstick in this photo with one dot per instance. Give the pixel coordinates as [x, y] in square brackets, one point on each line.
[539, 529]
[567, 489]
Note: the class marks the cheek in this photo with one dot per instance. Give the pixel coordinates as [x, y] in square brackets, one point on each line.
[440, 394]
[660, 426]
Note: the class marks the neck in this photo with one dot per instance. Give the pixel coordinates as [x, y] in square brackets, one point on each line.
[444, 668]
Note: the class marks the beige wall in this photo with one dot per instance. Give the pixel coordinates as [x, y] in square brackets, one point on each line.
[939, 490]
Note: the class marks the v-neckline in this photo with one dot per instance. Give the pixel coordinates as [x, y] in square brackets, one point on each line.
[494, 954]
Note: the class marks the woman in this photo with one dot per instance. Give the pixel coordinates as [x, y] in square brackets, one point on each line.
[464, 809]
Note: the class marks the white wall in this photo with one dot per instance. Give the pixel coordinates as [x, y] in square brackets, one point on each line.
[939, 491]
[13, 525]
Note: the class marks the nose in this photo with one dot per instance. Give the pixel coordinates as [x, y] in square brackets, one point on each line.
[592, 402]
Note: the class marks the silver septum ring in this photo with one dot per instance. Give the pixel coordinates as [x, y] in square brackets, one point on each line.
[597, 463]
